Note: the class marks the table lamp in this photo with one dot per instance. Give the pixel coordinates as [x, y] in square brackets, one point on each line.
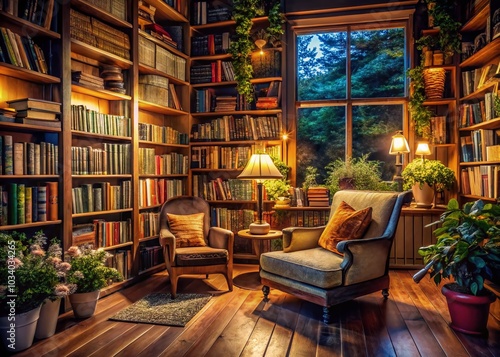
[399, 146]
[260, 167]
[423, 150]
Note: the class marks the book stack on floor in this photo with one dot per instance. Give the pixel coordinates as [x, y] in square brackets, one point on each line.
[318, 197]
[36, 111]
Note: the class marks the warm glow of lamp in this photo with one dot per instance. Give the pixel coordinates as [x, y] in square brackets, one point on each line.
[423, 149]
[260, 167]
[399, 146]
[260, 43]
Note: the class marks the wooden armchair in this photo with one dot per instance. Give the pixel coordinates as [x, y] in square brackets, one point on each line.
[190, 245]
[360, 266]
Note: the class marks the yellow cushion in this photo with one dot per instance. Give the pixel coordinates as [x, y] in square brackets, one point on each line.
[346, 223]
[187, 229]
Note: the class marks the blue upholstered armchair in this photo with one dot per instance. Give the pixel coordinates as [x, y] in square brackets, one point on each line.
[361, 266]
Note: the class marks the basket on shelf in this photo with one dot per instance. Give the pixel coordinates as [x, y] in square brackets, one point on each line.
[434, 82]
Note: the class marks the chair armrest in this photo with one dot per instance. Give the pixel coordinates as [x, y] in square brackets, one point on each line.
[167, 241]
[364, 259]
[300, 238]
[221, 238]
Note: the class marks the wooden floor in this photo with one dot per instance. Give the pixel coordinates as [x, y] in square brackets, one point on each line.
[412, 322]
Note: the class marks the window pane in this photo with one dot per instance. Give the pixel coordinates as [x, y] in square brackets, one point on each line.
[321, 139]
[373, 128]
[377, 63]
[321, 66]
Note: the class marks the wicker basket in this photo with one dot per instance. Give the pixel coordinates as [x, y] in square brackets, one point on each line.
[434, 82]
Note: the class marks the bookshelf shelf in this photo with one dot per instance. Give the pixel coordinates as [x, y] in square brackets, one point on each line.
[489, 51]
[29, 177]
[234, 143]
[100, 177]
[99, 93]
[228, 23]
[490, 124]
[237, 112]
[221, 56]
[216, 170]
[118, 246]
[476, 163]
[143, 69]
[99, 55]
[85, 134]
[163, 44]
[149, 207]
[101, 14]
[479, 94]
[29, 225]
[7, 69]
[28, 127]
[165, 12]
[99, 213]
[164, 176]
[153, 144]
[478, 21]
[156, 108]
[145, 239]
[36, 30]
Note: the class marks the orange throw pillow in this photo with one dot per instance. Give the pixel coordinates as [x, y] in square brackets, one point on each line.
[187, 229]
[346, 223]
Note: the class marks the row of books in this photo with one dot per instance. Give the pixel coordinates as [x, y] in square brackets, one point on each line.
[475, 79]
[221, 189]
[92, 121]
[101, 196]
[21, 51]
[110, 233]
[232, 219]
[482, 180]
[220, 157]
[150, 257]
[121, 260]
[206, 100]
[474, 147]
[439, 133]
[22, 204]
[166, 164]
[111, 159]
[38, 12]
[117, 8]
[213, 72]
[97, 34]
[160, 58]
[27, 158]
[211, 44]
[205, 12]
[478, 112]
[162, 134]
[155, 191]
[149, 224]
[230, 128]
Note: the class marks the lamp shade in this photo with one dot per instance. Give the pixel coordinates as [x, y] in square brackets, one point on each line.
[399, 145]
[260, 166]
[423, 149]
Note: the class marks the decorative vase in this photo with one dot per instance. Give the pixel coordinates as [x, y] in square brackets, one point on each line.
[424, 196]
[47, 322]
[434, 79]
[84, 304]
[469, 313]
[282, 202]
[17, 334]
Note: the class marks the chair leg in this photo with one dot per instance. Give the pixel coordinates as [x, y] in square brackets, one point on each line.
[266, 290]
[327, 314]
[385, 293]
[229, 282]
[173, 286]
[206, 276]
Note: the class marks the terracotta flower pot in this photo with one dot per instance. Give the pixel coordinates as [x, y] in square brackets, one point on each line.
[84, 304]
[21, 336]
[47, 323]
[469, 313]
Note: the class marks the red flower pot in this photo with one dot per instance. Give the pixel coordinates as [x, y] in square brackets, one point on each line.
[469, 313]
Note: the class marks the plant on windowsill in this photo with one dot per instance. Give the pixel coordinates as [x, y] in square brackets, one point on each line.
[467, 250]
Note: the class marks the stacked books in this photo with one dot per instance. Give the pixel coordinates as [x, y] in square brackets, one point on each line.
[225, 103]
[36, 111]
[318, 197]
[87, 79]
[113, 78]
[159, 32]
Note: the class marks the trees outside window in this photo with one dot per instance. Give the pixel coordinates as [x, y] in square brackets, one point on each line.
[350, 94]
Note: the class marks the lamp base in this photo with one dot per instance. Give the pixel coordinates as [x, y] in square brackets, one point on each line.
[259, 228]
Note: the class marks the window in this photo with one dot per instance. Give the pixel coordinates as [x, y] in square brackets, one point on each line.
[350, 94]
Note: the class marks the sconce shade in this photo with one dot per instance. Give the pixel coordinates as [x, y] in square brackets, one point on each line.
[423, 149]
[399, 145]
[260, 167]
[260, 43]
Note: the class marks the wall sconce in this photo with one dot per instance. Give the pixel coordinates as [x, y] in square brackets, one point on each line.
[399, 146]
[260, 43]
[423, 149]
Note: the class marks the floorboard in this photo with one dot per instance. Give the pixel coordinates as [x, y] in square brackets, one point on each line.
[414, 321]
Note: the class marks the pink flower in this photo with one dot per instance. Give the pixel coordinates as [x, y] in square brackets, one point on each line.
[64, 266]
[78, 275]
[54, 261]
[61, 290]
[74, 251]
[38, 253]
[16, 262]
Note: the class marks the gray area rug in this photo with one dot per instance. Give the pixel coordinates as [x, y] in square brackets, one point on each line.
[160, 309]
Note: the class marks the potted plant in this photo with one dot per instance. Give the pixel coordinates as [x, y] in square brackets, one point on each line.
[90, 274]
[467, 250]
[355, 173]
[425, 177]
[28, 276]
[279, 190]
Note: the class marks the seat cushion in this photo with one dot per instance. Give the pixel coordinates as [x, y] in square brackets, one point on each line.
[200, 256]
[346, 223]
[317, 266]
[187, 229]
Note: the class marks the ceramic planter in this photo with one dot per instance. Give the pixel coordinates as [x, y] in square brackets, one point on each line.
[84, 304]
[20, 336]
[469, 313]
[47, 322]
[424, 196]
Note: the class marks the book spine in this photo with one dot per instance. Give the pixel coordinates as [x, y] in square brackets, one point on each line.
[9, 155]
[34, 204]
[52, 201]
[42, 203]
[12, 203]
[28, 205]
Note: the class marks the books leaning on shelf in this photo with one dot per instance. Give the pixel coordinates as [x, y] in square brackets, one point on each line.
[232, 219]
[162, 134]
[149, 224]
[150, 257]
[477, 112]
[92, 121]
[219, 189]
[481, 180]
[22, 204]
[110, 233]
[27, 158]
[165, 164]
[101, 196]
[83, 234]
[155, 191]
[21, 51]
[111, 159]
